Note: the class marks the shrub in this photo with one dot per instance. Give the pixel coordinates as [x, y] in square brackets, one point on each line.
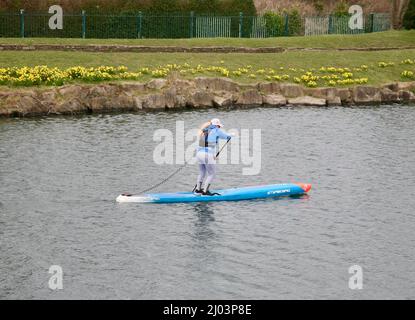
[220, 7]
[341, 9]
[295, 23]
[319, 7]
[409, 18]
[274, 24]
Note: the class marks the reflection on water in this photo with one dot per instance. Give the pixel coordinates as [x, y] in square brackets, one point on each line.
[205, 216]
[59, 178]
[204, 213]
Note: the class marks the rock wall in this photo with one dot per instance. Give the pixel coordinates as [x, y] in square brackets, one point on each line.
[162, 94]
[137, 48]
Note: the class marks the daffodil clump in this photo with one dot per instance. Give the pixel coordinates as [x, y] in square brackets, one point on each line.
[383, 64]
[331, 76]
[408, 74]
[31, 76]
[311, 77]
[43, 75]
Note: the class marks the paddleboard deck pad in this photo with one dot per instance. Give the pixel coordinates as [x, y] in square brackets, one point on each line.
[234, 194]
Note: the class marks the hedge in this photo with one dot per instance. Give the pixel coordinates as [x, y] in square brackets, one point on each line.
[409, 18]
[216, 7]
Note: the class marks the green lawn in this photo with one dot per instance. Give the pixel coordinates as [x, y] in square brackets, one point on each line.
[302, 61]
[380, 39]
[293, 63]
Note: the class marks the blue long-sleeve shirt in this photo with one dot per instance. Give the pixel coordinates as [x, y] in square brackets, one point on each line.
[214, 133]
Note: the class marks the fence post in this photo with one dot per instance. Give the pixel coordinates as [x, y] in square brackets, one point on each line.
[139, 24]
[241, 20]
[286, 26]
[372, 22]
[83, 24]
[22, 23]
[192, 14]
[330, 31]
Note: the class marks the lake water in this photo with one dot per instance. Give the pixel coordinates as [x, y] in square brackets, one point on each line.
[59, 177]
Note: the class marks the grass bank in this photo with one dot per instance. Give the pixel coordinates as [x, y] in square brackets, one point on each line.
[301, 66]
[380, 67]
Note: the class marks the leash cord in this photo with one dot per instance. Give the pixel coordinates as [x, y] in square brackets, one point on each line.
[176, 172]
[164, 180]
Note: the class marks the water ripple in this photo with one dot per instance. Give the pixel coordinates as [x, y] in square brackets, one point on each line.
[60, 176]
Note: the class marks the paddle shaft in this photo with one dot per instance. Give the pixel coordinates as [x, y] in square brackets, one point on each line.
[223, 147]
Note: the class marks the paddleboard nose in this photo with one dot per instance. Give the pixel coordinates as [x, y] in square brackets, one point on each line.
[305, 186]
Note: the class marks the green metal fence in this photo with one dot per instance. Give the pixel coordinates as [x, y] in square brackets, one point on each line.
[211, 27]
[10, 25]
[186, 25]
[340, 25]
[381, 22]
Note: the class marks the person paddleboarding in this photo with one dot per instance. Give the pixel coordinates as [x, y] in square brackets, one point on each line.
[209, 136]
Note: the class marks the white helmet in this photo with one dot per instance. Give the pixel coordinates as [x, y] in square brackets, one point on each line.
[216, 122]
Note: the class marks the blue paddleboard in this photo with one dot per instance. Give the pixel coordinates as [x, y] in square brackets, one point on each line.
[244, 193]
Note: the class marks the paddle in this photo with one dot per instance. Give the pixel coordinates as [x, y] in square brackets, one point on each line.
[222, 147]
[177, 171]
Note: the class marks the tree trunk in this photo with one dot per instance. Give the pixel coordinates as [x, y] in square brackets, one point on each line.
[399, 9]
